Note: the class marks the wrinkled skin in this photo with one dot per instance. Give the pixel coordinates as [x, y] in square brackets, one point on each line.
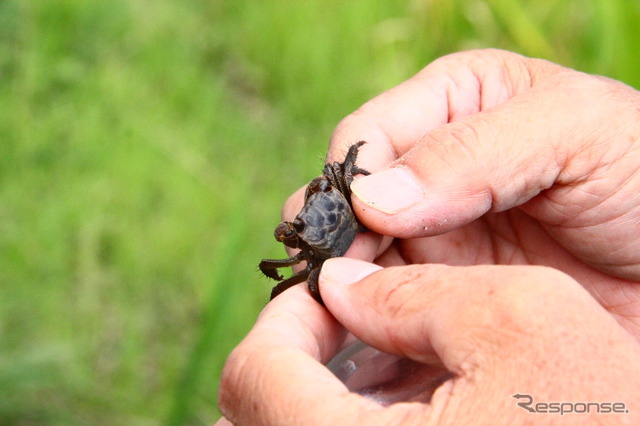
[324, 228]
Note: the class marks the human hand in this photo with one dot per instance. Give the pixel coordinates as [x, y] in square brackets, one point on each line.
[502, 159]
[496, 159]
[501, 330]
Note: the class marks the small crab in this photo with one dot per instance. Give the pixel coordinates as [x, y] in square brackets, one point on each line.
[325, 227]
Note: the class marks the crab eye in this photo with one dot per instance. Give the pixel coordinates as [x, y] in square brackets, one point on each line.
[285, 231]
[298, 225]
[319, 184]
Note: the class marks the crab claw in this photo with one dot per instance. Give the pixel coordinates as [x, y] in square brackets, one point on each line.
[269, 270]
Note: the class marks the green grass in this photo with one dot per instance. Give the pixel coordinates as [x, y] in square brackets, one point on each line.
[146, 149]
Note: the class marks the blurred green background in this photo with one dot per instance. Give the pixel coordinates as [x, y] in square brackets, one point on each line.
[147, 146]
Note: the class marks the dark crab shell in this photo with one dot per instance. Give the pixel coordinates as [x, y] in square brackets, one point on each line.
[329, 224]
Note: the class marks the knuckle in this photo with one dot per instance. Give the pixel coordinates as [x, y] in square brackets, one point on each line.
[230, 379]
[247, 379]
[458, 140]
[237, 381]
[610, 94]
[456, 150]
[469, 58]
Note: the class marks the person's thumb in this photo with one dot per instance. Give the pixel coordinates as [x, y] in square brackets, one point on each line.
[498, 329]
[500, 158]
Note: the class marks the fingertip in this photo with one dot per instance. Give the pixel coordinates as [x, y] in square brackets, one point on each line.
[343, 271]
[396, 203]
[389, 191]
[336, 278]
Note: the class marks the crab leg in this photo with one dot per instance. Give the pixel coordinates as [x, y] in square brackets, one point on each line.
[312, 283]
[294, 279]
[341, 174]
[349, 168]
[269, 267]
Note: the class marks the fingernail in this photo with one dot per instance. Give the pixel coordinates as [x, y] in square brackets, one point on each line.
[344, 271]
[389, 191]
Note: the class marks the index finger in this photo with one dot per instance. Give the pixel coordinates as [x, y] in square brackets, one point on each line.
[281, 360]
[393, 121]
[276, 375]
